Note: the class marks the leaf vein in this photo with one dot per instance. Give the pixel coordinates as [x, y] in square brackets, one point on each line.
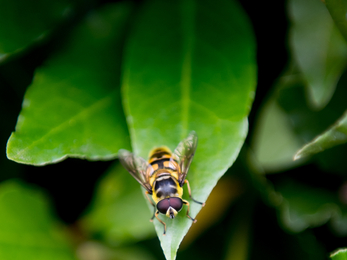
[99, 104]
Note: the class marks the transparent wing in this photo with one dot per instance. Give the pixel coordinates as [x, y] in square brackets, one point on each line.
[136, 166]
[184, 154]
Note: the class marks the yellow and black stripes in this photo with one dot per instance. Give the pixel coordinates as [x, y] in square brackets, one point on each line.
[163, 176]
[159, 153]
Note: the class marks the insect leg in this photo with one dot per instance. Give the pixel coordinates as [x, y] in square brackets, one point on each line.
[152, 205]
[190, 193]
[156, 215]
[187, 203]
[153, 215]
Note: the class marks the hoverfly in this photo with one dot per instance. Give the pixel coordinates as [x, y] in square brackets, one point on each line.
[164, 175]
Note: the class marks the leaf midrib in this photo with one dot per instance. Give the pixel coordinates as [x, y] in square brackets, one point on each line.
[187, 12]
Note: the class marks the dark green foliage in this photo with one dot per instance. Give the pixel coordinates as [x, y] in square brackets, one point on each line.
[94, 77]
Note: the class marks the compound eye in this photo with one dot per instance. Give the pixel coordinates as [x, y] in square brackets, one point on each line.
[163, 206]
[176, 203]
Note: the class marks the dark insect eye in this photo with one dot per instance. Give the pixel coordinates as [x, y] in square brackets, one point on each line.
[176, 203]
[163, 205]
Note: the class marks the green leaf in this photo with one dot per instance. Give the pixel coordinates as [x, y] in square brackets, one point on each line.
[73, 107]
[303, 206]
[307, 124]
[335, 135]
[250, 209]
[274, 141]
[191, 67]
[339, 254]
[318, 48]
[27, 229]
[24, 22]
[338, 10]
[118, 213]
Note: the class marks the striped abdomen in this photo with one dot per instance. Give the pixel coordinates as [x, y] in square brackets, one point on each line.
[164, 174]
[162, 164]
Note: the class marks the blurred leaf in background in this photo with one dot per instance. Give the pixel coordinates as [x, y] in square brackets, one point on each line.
[335, 135]
[118, 213]
[24, 23]
[275, 141]
[92, 250]
[304, 206]
[307, 123]
[337, 10]
[318, 48]
[27, 228]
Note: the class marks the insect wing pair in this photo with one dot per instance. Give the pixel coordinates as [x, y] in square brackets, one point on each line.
[173, 175]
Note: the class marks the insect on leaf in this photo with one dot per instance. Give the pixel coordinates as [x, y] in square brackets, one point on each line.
[189, 68]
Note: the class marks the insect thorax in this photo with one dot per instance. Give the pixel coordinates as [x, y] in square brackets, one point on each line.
[166, 186]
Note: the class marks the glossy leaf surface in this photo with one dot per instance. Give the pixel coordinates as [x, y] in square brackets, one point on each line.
[191, 67]
[24, 22]
[318, 48]
[335, 135]
[73, 107]
[27, 229]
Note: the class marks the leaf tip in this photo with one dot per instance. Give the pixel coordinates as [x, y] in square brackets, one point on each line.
[297, 156]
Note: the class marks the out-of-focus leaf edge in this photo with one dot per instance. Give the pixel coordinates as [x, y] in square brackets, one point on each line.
[339, 254]
[335, 135]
